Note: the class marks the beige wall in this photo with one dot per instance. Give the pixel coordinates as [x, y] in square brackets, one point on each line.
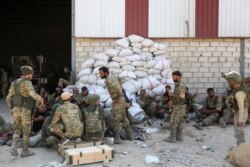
[200, 60]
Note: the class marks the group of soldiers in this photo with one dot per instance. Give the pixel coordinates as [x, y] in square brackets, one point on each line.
[77, 116]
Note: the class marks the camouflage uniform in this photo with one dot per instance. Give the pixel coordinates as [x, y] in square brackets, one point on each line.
[53, 99]
[114, 87]
[21, 113]
[70, 116]
[210, 103]
[70, 80]
[81, 101]
[148, 104]
[178, 114]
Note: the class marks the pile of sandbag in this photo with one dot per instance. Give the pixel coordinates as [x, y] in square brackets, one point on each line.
[140, 62]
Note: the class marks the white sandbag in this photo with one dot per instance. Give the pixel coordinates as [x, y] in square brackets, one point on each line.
[135, 38]
[125, 52]
[146, 56]
[88, 79]
[136, 45]
[100, 63]
[113, 64]
[159, 46]
[109, 103]
[141, 74]
[138, 63]
[128, 68]
[158, 77]
[136, 50]
[84, 71]
[95, 89]
[88, 63]
[147, 43]
[133, 97]
[148, 49]
[134, 57]
[162, 64]
[96, 71]
[167, 81]
[124, 42]
[150, 83]
[159, 90]
[79, 85]
[159, 52]
[101, 104]
[125, 63]
[132, 86]
[112, 52]
[153, 71]
[100, 82]
[150, 64]
[127, 74]
[104, 97]
[115, 71]
[134, 111]
[141, 69]
[167, 73]
[118, 59]
[102, 56]
[150, 93]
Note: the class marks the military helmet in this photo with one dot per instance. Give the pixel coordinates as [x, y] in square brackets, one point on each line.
[233, 75]
[92, 99]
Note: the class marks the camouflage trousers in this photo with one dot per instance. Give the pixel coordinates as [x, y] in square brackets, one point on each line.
[239, 132]
[208, 119]
[177, 117]
[150, 110]
[60, 128]
[64, 82]
[227, 115]
[119, 116]
[22, 125]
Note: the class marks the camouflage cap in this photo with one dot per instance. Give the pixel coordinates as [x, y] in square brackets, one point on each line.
[66, 95]
[26, 70]
[92, 99]
[233, 75]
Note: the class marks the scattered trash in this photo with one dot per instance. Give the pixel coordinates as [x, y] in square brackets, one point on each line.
[208, 148]
[149, 159]
[152, 130]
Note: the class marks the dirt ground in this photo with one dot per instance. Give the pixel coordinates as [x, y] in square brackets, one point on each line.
[188, 153]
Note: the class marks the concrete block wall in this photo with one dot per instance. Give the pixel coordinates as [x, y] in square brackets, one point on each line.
[200, 60]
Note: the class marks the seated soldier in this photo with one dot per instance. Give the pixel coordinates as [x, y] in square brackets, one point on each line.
[93, 118]
[166, 106]
[68, 115]
[81, 99]
[147, 103]
[210, 111]
[56, 97]
[189, 101]
[48, 138]
[68, 78]
[40, 114]
[75, 95]
[44, 94]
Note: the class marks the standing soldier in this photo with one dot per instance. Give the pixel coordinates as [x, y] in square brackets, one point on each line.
[239, 103]
[177, 117]
[119, 104]
[21, 99]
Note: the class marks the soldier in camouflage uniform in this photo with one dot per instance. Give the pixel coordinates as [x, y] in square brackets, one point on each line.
[211, 110]
[70, 116]
[93, 117]
[239, 104]
[68, 78]
[48, 138]
[20, 99]
[147, 103]
[81, 99]
[177, 117]
[56, 97]
[114, 87]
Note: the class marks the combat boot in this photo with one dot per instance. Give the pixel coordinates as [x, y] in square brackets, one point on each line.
[179, 134]
[198, 126]
[26, 153]
[129, 134]
[172, 137]
[117, 139]
[13, 150]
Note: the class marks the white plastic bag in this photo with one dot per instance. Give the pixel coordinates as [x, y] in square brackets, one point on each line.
[150, 83]
[128, 68]
[132, 86]
[140, 74]
[100, 63]
[147, 42]
[125, 52]
[149, 49]
[88, 79]
[127, 74]
[125, 63]
[138, 63]
[124, 42]
[102, 56]
[113, 64]
[162, 64]
[112, 52]
[159, 90]
[134, 57]
[153, 71]
[88, 63]
[119, 59]
[150, 64]
[167, 73]
[115, 71]
[136, 45]
[84, 71]
[135, 38]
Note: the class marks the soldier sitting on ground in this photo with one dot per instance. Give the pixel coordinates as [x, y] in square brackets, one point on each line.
[210, 112]
[44, 94]
[166, 106]
[70, 116]
[40, 114]
[93, 118]
[56, 97]
[81, 99]
[147, 103]
[68, 78]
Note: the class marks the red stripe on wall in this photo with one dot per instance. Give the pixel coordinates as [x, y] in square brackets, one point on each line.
[136, 17]
[207, 13]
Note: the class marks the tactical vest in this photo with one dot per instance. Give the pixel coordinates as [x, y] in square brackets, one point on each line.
[214, 101]
[246, 101]
[20, 101]
[92, 123]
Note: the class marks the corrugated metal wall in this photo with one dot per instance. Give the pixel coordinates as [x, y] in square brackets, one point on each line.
[100, 18]
[137, 17]
[207, 18]
[171, 18]
[234, 18]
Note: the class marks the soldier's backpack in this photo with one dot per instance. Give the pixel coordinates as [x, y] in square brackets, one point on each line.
[93, 124]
